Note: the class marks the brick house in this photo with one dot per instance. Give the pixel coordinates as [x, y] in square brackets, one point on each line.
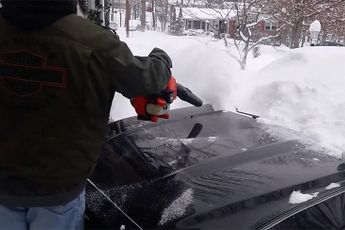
[221, 21]
[206, 19]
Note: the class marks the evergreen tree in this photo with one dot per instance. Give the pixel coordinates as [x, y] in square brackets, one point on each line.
[84, 6]
[95, 15]
[107, 9]
[177, 26]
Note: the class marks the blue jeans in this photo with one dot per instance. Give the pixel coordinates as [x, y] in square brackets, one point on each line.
[61, 217]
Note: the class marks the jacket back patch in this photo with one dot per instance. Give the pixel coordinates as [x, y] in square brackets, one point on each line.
[24, 73]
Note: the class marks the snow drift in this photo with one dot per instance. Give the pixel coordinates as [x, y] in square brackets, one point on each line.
[303, 91]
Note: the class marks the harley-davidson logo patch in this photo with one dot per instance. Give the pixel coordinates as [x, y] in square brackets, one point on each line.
[24, 73]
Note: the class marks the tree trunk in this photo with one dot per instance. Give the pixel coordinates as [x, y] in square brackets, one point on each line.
[166, 12]
[128, 15]
[134, 15]
[143, 15]
[120, 12]
[296, 33]
[112, 10]
[244, 62]
[153, 15]
[106, 10]
[303, 38]
[245, 55]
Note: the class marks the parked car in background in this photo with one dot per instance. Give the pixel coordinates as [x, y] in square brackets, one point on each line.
[328, 43]
[113, 25]
[274, 41]
[134, 24]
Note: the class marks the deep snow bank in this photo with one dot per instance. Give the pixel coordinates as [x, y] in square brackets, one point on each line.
[303, 91]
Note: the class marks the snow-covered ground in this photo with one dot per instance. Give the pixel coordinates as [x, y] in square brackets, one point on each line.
[301, 89]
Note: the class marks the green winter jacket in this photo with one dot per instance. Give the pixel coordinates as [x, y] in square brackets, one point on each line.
[56, 90]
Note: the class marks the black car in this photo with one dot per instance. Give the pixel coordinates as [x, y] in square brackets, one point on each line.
[328, 43]
[210, 169]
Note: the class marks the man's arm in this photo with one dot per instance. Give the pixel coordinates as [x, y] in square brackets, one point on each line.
[131, 75]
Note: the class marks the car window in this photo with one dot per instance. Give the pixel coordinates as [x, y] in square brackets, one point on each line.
[117, 164]
[329, 214]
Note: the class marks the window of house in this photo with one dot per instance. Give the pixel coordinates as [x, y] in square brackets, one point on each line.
[270, 26]
[189, 24]
[196, 24]
[203, 26]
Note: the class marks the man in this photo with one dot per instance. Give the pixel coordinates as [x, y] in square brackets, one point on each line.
[58, 75]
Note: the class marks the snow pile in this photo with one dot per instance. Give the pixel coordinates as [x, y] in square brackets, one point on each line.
[301, 89]
[296, 197]
[332, 185]
[178, 207]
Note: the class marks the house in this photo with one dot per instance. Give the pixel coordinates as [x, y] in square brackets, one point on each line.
[206, 19]
[268, 26]
[260, 28]
[221, 21]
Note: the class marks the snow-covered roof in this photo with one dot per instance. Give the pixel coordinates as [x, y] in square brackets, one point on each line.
[172, 2]
[189, 2]
[267, 18]
[205, 13]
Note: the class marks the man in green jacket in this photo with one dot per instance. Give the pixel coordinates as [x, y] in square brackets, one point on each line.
[58, 75]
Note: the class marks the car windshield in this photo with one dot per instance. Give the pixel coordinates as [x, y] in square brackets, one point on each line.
[186, 142]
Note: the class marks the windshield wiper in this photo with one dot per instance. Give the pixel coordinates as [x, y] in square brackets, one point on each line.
[184, 151]
[248, 114]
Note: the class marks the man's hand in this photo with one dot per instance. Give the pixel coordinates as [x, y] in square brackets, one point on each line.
[161, 55]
